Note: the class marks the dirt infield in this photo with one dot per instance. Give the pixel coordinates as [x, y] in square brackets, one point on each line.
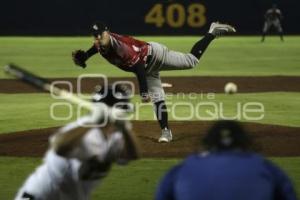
[270, 140]
[180, 84]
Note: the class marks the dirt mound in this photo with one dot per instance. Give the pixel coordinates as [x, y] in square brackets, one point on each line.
[270, 140]
[180, 84]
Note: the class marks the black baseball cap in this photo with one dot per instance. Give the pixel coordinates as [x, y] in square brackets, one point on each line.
[98, 28]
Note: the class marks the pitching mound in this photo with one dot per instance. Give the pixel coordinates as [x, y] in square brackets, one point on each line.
[270, 140]
[179, 84]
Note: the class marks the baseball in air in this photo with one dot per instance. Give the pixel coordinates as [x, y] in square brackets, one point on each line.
[230, 88]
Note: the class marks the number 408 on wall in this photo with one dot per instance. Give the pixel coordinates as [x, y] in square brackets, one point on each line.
[176, 15]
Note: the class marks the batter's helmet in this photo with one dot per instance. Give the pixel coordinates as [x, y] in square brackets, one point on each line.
[114, 95]
[226, 135]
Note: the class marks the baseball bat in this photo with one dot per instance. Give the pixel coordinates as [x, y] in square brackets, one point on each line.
[45, 85]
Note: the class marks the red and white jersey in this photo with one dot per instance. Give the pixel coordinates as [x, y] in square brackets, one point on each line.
[125, 51]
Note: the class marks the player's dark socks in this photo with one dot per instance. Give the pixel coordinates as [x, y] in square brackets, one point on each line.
[199, 48]
[161, 114]
[281, 36]
[263, 38]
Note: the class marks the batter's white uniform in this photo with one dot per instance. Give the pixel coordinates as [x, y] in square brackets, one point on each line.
[58, 177]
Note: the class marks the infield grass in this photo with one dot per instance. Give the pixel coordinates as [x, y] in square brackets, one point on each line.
[32, 111]
[135, 181]
[237, 56]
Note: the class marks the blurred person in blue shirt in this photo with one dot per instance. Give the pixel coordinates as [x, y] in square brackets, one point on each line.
[227, 170]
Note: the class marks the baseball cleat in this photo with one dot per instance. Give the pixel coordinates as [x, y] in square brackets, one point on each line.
[218, 29]
[166, 136]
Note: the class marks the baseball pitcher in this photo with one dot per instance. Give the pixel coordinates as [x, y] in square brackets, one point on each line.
[146, 60]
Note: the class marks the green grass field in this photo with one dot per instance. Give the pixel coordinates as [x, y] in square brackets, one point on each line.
[277, 106]
[239, 56]
[229, 56]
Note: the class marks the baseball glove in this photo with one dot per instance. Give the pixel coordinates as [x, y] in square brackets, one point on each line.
[79, 57]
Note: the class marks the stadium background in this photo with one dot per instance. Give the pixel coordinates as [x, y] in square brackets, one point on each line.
[268, 73]
[72, 17]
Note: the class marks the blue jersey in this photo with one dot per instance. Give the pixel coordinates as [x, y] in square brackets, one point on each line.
[227, 176]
